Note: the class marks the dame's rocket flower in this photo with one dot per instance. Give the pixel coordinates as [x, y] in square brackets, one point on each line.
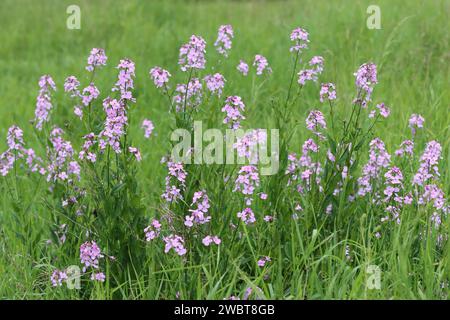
[211, 239]
[406, 147]
[90, 254]
[160, 76]
[233, 108]
[327, 91]
[192, 98]
[215, 83]
[242, 67]
[148, 127]
[199, 213]
[300, 37]
[153, 230]
[192, 54]
[125, 82]
[365, 80]
[176, 243]
[261, 65]
[315, 122]
[223, 42]
[96, 58]
[415, 122]
[175, 182]
[43, 101]
[428, 164]
[247, 216]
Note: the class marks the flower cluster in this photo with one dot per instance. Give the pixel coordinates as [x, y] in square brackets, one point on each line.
[90, 255]
[199, 213]
[43, 101]
[416, 122]
[366, 79]
[115, 124]
[327, 91]
[175, 181]
[383, 110]
[160, 76]
[125, 82]
[261, 64]
[300, 37]
[153, 230]
[192, 54]
[233, 109]
[215, 83]
[428, 163]
[242, 67]
[208, 240]
[311, 74]
[190, 97]
[247, 216]
[315, 122]
[148, 127]
[176, 243]
[96, 58]
[223, 42]
[246, 146]
[58, 277]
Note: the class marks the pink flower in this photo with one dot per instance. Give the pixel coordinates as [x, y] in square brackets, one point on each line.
[211, 239]
[247, 216]
[96, 58]
[262, 262]
[233, 108]
[135, 151]
[192, 54]
[200, 201]
[416, 121]
[261, 64]
[300, 37]
[215, 83]
[223, 42]
[148, 127]
[58, 277]
[383, 109]
[43, 101]
[90, 254]
[242, 67]
[365, 80]
[327, 91]
[315, 122]
[160, 76]
[176, 243]
[406, 147]
[98, 276]
[192, 98]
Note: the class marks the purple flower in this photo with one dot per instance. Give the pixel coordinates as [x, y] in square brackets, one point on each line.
[86, 153]
[115, 123]
[315, 122]
[416, 121]
[247, 180]
[247, 216]
[383, 110]
[300, 37]
[192, 54]
[223, 42]
[135, 151]
[366, 79]
[261, 65]
[200, 201]
[175, 182]
[89, 93]
[125, 82]
[211, 239]
[428, 163]
[327, 91]
[246, 146]
[43, 101]
[58, 277]
[176, 243]
[192, 98]
[242, 67]
[90, 254]
[153, 230]
[233, 108]
[71, 86]
[148, 127]
[96, 58]
[98, 276]
[262, 262]
[160, 76]
[215, 83]
[406, 147]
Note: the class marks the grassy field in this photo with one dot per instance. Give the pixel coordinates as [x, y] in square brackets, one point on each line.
[308, 260]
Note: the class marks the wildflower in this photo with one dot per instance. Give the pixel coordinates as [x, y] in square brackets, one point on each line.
[415, 122]
[148, 127]
[192, 98]
[125, 82]
[215, 83]
[71, 86]
[135, 151]
[247, 180]
[152, 231]
[432, 193]
[316, 63]
[247, 216]
[89, 94]
[175, 181]
[378, 158]
[428, 163]
[176, 243]
[242, 67]
[268, 218]
[58, 277]
[233, 108]
[300, 37]
[383, 110]
[316, 121]
[262, 262]
[394, 180]
[89, 141]
[327, 91]
[211, 239]
[366, 78]
[223, 42]
[192, 54]
[115, 123]
[198, 214]
[160, 76]
[43, 101]
[247, 145]
[263, 196]
[90, 254]
[96, 58]
[98, 276]
[329, 209]
[261, 64]
[406, 147]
